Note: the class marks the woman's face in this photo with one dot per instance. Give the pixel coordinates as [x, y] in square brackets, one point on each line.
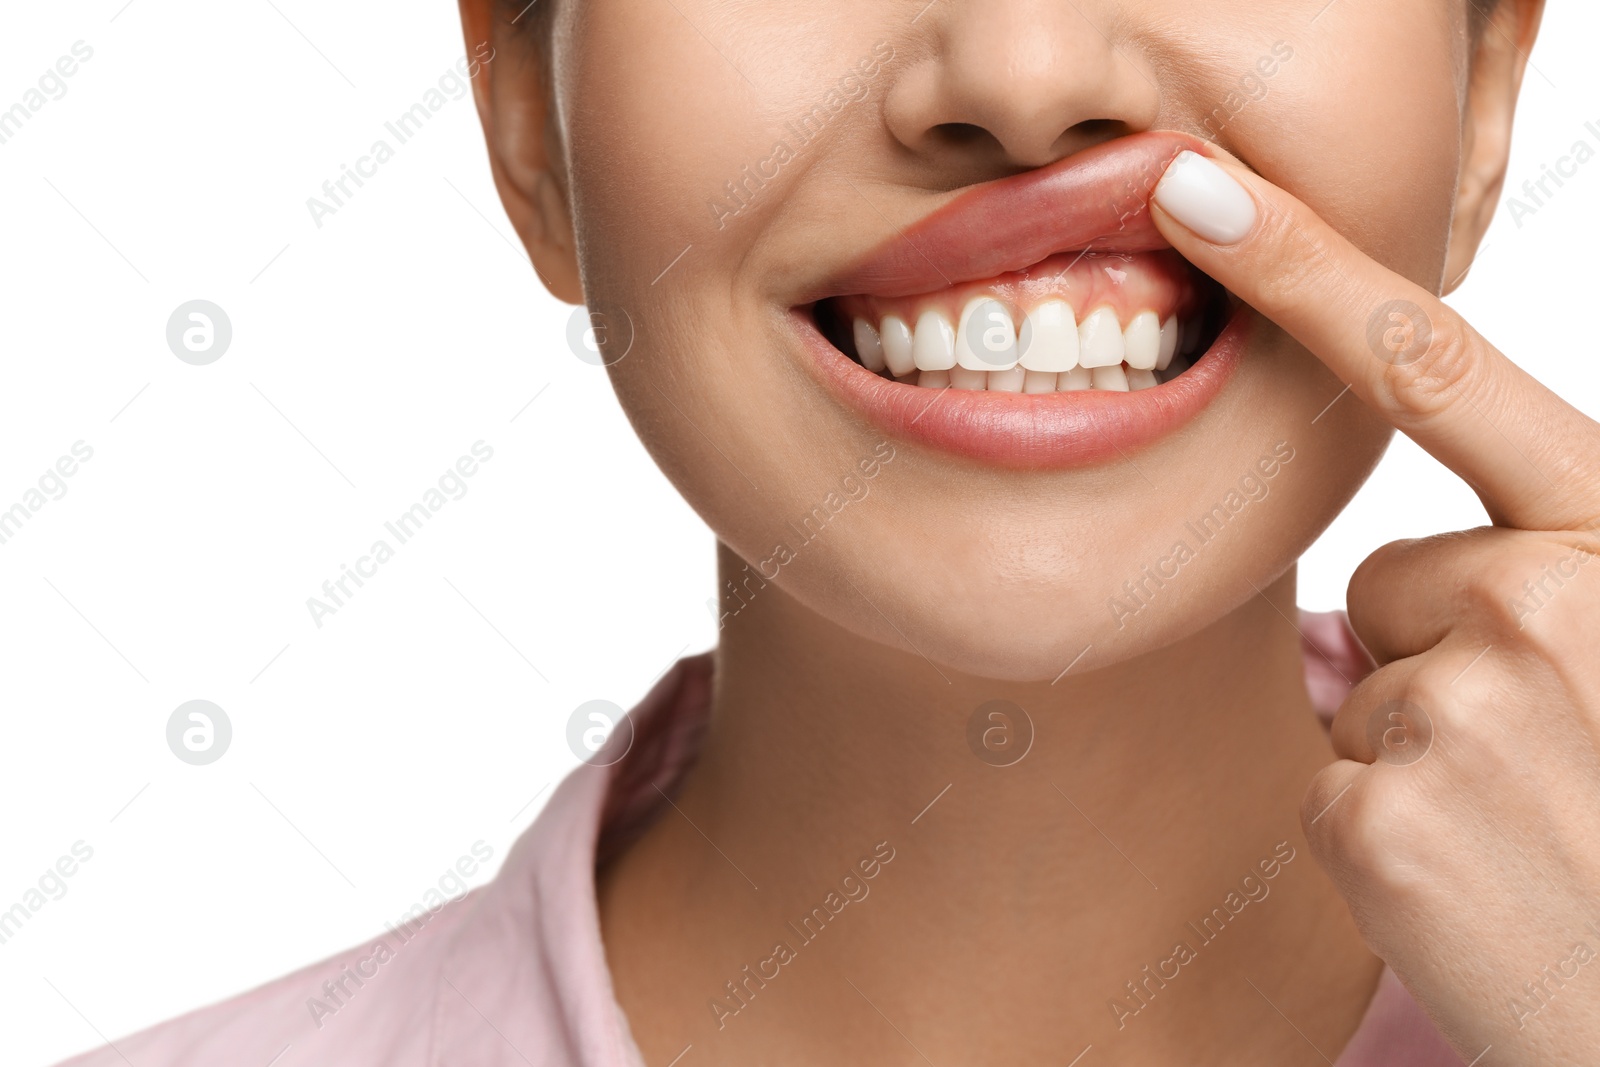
[731, 165]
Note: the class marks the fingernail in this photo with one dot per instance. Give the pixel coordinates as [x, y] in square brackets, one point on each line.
[1205, 198]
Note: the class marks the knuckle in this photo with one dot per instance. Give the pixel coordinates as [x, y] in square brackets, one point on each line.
[1497, 590]
[1456, 703]
[1448, 369]
[1379, 828]
[1319, 817]
[1432, 698]
[1431, 687]
[1366, 602]
[1377, 567]
[1536, 600]
[1345, 822]
[1546, 632]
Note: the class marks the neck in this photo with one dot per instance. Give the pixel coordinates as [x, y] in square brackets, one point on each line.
[1104, 860]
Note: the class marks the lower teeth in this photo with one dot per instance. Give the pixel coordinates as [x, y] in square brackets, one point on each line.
[1119, 379]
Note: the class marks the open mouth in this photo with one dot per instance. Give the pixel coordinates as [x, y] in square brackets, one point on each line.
[1036, 321]
[1090, 320]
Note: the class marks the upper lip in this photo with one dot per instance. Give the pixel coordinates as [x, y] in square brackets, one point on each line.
[1093, 199]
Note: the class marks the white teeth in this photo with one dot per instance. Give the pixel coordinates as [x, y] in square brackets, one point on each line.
[1009, 381]
[1074, 379]
[1110, 378]
[868, 347]
[963, 378]
[1055, 353]
[1141, 341]
[1189, 336]
[1038, 381]
[1100, 339]
[1169, 343]
[987, 339]
[896, 338]
[933, 346]
[1052, 331]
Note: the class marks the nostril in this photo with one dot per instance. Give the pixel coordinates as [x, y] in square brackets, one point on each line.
[959, 134]
[969, 135]
[1094, 131]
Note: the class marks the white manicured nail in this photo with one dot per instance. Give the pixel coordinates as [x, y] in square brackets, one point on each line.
[1205, 198]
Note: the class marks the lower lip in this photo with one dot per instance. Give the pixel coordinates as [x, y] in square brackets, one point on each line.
[1038, 431]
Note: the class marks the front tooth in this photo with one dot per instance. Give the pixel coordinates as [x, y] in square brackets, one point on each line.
[1169, 343]
[965, 378]
[1100, 339]
[896, 337]
[1038, 381]
[933, 346]
[1075, 379]
[988, 336]
[1110, 378]
[933, 379]
[1141, 379]
[869, 348]
[1141, 341]
[1007, 381]
[1050, 337]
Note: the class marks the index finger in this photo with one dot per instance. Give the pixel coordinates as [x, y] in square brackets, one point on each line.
[1529, 454]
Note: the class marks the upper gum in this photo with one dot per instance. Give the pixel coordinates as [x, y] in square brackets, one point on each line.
[1150, 283]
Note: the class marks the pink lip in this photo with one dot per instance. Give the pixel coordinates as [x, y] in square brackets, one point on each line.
[1094, 199]
[1048, 431]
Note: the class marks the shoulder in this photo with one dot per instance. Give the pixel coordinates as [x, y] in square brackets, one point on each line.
[372, 1003]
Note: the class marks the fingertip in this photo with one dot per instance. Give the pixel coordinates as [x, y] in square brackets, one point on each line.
[1206, 199]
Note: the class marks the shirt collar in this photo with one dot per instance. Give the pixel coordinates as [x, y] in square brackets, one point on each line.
[524, 981]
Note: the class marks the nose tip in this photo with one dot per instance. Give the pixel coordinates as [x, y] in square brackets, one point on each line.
[1021, 83]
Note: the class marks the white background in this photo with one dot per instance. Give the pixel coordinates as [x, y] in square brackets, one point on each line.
[428, 713]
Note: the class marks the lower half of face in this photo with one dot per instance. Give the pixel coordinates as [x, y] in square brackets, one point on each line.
[903, 334]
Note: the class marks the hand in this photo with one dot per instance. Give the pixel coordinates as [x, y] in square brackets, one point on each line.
[1462, 823]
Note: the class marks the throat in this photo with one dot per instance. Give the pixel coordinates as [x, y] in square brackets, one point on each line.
[846, 874]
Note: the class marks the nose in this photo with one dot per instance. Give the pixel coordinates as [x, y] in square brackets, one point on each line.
[1017, 84]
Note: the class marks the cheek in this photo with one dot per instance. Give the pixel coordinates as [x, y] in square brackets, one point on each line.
[1365, 128]
[647, 146]
[690, 108]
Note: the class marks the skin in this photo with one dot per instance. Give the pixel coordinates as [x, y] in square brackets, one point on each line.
[1174, 756]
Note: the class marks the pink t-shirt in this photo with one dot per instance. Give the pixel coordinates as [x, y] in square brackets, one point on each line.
[514, 974]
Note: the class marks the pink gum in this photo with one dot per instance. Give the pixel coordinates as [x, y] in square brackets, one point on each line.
[1129, 283]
